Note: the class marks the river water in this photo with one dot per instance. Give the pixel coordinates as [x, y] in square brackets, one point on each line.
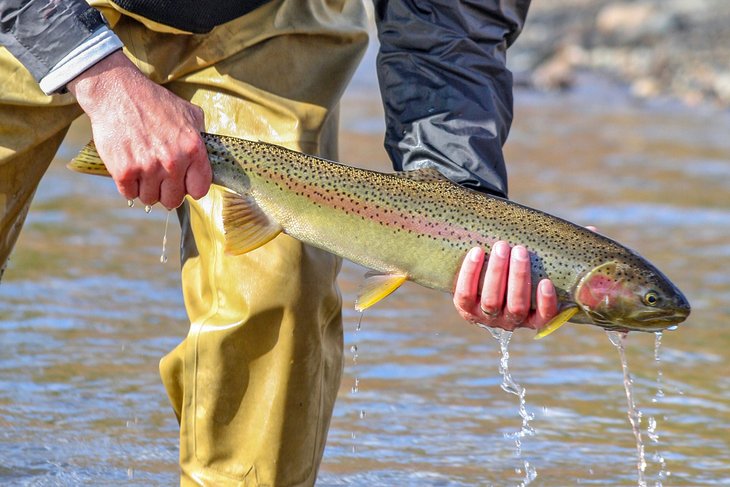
[87, 310]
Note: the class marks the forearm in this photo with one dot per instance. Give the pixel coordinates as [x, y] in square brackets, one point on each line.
[55, 40]
[446, 89]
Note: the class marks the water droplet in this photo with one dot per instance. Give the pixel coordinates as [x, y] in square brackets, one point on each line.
[147, 208]
[362, 414]
[530, 474]
[353, 349]
[356, 388]
[130, 203]
[673, 327]
[163, 256]
[651, 430]
[130, 473]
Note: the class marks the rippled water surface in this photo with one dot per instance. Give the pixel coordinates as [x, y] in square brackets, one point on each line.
[87, 310]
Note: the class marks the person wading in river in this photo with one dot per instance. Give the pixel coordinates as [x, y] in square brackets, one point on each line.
[254, 383]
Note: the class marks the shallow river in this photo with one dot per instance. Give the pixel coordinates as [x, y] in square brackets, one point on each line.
[87, 310]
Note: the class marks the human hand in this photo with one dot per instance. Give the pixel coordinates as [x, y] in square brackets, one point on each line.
[148, 138]
[502, 298]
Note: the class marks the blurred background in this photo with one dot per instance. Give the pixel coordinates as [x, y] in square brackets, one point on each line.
[621, 121]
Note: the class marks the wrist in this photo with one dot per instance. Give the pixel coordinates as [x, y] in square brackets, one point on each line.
[102, 80]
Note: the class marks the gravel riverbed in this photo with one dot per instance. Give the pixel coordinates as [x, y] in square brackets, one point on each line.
[657, 48]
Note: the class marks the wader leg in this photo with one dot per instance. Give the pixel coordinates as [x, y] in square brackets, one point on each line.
[32, 126]
[254, 383]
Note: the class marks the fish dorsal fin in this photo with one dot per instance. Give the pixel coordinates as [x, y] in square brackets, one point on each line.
[562, 318]
[245, 224]
[376, 287]
[426, 175]
[88, 162]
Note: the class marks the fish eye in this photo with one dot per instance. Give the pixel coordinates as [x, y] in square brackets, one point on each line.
[651, 299]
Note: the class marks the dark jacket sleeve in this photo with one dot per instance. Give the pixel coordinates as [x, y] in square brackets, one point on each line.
[445, 86]
[41, 32]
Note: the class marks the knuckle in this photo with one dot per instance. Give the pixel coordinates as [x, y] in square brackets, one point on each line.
[127, 176]
[461, 302]
[192, 145]
[175, 170]
[516, 313]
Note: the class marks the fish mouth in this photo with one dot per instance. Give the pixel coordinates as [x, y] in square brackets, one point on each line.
[647, 321]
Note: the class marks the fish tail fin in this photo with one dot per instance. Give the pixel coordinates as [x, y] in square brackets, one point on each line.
[88, 162]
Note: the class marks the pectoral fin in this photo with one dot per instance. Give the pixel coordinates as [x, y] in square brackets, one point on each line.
[562, 318]
[245, 224]
[377, 287]
[88, 162]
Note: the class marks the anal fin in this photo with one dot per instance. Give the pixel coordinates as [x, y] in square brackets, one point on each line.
[245, 224]
[562, 318]
[377, 287]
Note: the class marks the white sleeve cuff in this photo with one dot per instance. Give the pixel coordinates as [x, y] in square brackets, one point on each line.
[95, 48]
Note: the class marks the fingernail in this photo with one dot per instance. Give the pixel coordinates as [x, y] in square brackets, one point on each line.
[501, 249]
[475, 254]
[546, 288]
[519, 253]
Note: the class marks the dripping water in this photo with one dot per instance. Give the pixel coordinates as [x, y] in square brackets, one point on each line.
[510, 386]
[163, 256]
[652, 427]
[359, 322]
[130, 203]
[618, 339]
[147, 208]
[659, 373]
[356, 382]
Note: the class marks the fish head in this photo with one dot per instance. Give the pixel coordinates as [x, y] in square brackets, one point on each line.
[630, 295]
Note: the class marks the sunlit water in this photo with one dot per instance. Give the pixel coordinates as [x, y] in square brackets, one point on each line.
[87, 310]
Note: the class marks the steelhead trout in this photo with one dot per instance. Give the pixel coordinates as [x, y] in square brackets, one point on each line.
[418, 226]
